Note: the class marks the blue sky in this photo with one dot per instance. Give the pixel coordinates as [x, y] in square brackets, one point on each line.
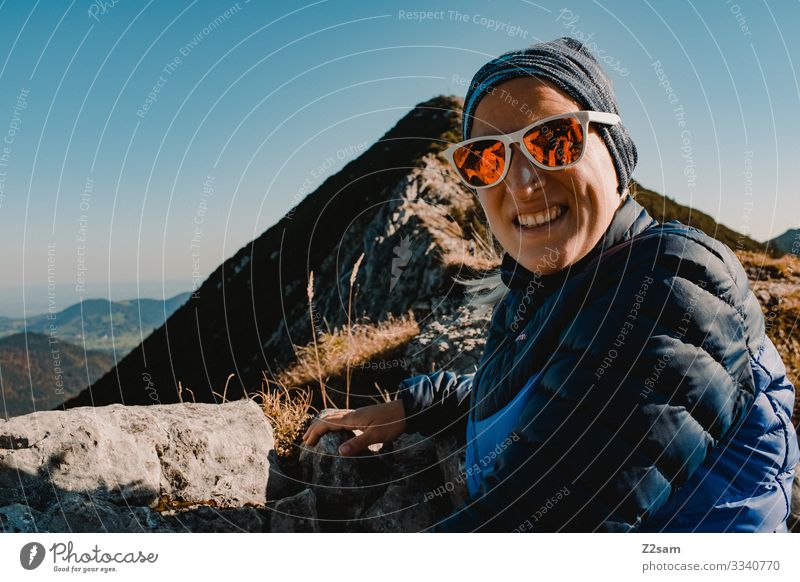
[129, 122]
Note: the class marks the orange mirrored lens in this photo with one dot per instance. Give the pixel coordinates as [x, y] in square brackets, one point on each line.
[556, 143]
[481, 163]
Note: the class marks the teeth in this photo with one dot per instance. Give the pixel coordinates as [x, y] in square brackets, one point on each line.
[540, 217]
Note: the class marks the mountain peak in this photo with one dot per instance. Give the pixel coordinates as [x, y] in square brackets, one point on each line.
[252, 311]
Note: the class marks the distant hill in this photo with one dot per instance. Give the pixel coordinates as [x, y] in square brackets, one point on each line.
[788, 242]
[90, 323]
[56, 371]
[664, 208]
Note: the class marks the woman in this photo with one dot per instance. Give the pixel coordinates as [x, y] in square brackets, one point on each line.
[627, 383]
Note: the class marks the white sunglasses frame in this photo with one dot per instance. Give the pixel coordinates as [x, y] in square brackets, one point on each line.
[585, 116]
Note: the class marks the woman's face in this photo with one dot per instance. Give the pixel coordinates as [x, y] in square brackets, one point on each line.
[586, 194]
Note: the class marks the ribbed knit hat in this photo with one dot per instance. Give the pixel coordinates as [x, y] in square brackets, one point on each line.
[568, 64]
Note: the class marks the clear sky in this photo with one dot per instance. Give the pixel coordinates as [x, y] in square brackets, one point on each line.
[129, 126]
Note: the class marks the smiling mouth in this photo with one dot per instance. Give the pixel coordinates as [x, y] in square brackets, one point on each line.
[540, 221]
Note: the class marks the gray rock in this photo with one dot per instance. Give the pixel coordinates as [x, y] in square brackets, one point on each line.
[399, 488]
[145, 520]
[402, 508]
[205, 519]
[453, 338]
[296, 514]
[408, 504]
[18, 518]
[280, 484]
[78, 513]
[85, 513]
[65, 516]
[343, 486]
[410, 453]
[106, 469]
[133, 455]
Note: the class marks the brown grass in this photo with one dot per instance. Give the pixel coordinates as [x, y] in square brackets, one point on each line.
[333, 352]
[760, 266]
[289, 411]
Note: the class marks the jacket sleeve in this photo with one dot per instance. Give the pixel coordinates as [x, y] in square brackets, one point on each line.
[649, 375]
[437, 402]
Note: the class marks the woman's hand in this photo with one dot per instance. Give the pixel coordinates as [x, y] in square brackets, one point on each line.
[380, 423]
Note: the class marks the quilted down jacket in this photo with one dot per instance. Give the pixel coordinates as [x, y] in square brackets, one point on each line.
[633, 391]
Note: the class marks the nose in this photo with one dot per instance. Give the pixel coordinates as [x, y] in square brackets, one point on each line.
[523, 177]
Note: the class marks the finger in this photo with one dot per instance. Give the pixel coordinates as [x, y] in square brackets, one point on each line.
[315, 431]
[311, 427]
[345, 419]
[332, 422]
[357, 444]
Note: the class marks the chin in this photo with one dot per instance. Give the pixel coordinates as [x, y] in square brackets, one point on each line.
[544, 261]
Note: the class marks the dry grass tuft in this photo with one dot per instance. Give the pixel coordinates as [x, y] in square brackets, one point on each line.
[333, 351]
[288, 413]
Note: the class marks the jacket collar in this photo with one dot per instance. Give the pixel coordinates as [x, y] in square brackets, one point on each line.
[629, 219]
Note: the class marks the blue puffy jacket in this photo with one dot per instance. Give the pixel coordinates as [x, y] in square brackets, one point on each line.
[634, 391]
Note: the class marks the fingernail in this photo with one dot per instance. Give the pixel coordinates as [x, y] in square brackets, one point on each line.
[344, 449]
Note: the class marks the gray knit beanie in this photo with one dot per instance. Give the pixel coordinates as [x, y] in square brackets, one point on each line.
[568, 64]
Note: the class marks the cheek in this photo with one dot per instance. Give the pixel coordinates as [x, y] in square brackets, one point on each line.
[600, 164]
[584, 186]
[489, 216]
[490, 202]
[594, 175]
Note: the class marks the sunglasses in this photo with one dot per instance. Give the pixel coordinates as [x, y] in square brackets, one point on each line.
[552, 143]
